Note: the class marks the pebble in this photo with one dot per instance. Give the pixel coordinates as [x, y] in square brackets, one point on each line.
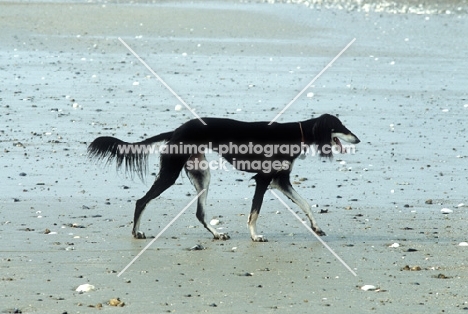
[394, 245]
[214, 222]
[75, 225]
[412, 268]
[178, 108]
[116, 302]
[463, 244]
[446, 211]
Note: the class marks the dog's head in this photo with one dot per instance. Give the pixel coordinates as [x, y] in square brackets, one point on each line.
[327, 133]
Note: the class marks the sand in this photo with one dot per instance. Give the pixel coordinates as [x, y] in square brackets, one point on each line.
[66, 78]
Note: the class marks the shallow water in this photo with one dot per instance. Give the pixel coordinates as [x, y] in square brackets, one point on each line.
[394, 7]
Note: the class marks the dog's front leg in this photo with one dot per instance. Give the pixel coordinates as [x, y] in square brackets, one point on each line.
[283, 184]
[306, 208]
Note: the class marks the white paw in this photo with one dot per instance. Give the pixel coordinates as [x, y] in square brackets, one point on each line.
[139, 235]
[259, 238]
[222, 236]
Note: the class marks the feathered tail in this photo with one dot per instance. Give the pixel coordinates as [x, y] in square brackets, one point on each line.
[134, 156]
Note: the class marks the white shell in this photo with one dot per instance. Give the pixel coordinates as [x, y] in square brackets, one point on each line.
[85, 288]
[368, 288]
[214, 222]
[446, 211]
[463, 244]
[394, 245]
[178, 108]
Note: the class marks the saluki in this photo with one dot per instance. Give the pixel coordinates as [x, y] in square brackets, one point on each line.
[268, 151]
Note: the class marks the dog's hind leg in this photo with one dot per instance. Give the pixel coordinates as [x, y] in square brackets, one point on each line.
[262, 183]
[168, 174]
[200, 178]
[283, 184]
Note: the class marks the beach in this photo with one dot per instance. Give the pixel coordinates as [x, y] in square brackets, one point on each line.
[394, 211]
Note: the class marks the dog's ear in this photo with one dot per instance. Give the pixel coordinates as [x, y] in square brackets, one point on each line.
[321, 132]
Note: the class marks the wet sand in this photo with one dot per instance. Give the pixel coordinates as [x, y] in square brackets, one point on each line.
[65, 221]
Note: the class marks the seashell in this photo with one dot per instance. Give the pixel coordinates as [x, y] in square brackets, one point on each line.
[214, 222]
[85, 288]
[368, 288]
[463, 244]
[394, 245]
[197, 247]
[178, 108]
[446, 211]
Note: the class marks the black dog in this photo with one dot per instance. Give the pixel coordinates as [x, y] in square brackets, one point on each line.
[267, 150]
